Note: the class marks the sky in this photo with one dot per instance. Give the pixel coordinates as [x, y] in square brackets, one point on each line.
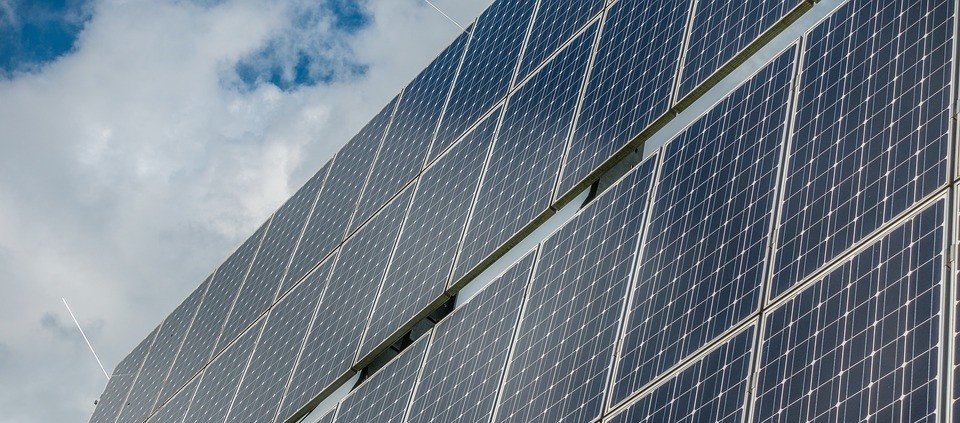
[142, 141]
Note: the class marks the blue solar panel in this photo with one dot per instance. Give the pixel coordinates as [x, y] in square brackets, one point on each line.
[343, 312]
[871, 135]
[144, 394]
[862, 343]
[114, 396]
[266, 377]
[411, 133]
[630, 83]
[555, 22]
[418, 273]
[462, 372]
[569, 326]
[701, 266]
[520, 177]
[263, 282]
[721, 29]
[487, 69]
[712, 389]
[383, 398]
[338, 198]
[175, 410]
[219, 382]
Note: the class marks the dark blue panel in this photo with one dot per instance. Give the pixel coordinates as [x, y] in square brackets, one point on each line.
[263, 282]
[219, 382]
[560, 364]
[175, 410]
[345, 308]
[198, 346]
[338, 199]
[144, 395]
[721, 29]
[872, 126]
[630, 84]
[701, 266]
[421, 265]
[861, 344]
[383, 398]
[468, 352]
[266, 378]
[713, 389]
[556, 21]
[414, 124]
[487, 68]
[114, 396]
[520, 177]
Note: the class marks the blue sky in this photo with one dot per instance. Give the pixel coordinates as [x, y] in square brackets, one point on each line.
[143, 140]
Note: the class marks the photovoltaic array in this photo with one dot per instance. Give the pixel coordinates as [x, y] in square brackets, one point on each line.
[384, 397]
[555, 23]
[176, 409]
[115, 395]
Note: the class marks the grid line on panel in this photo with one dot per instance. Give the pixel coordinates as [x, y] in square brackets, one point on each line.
[114, 395]
[555, 23]
[423, 258]
[320, 179]
[871, 114]
[175, 410]
[569, 326]
[712, 386]
[516, 187]
[468, 352]
[701, 266]
[435, 150]
[684, 48]
[385, 395]
[866, 333]
[143, 363]
[232, 327]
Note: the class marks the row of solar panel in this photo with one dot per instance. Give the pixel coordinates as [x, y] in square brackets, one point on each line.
[909, 164]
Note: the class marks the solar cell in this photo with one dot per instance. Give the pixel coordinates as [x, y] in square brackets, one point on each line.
[522, 171]
[871, 132]
[114, 396]
[555, 22]
[175, 410]
[701, 265]
[145, 392]
[219, 382]
[411, 133]
[230, 277]
[198, 346]
[266, 377]
[630, 82]
[421, 265]
[462, 372]
[263, 282]
[570, 323]
[862, 342]
[338, 198]
[383, 398]
[720, 30]
[487, 68]
[345, 308]
[712, 389]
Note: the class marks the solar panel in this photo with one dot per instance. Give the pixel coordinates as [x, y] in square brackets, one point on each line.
[556, 21]
[231, 276]
[418, 273]
[198, 346]
[862, 342]
[569, 326]
[712, 389]
[220, 379]
[338, 199]
[630, 82]
[263, 282]
[345, 308]
[871, 135]
[114, 396]
[519, 181]
[383, 398]
[175, 410]
[145, 392]
[266, 377]
[701, 266]
[411, 133]
[487, 69]
[722, 29]
[468, 351]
